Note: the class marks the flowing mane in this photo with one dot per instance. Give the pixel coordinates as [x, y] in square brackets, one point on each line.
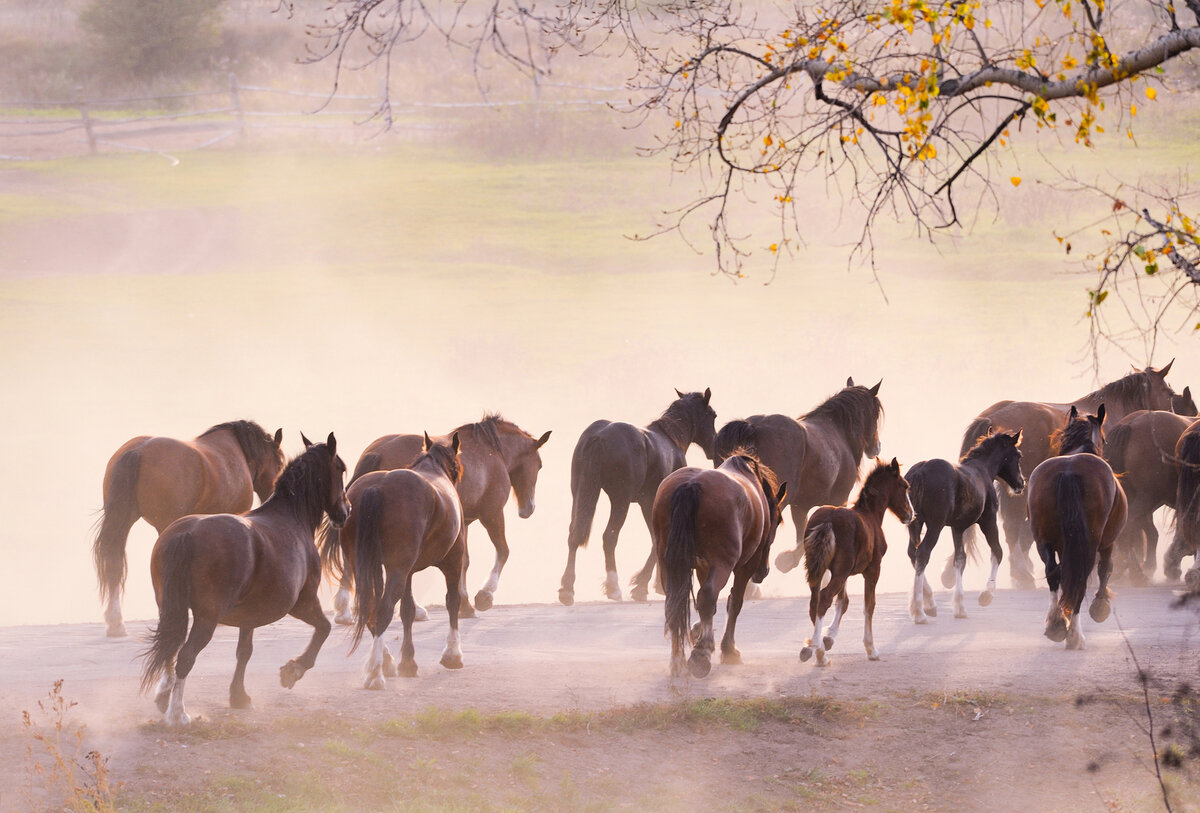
[304, 485]
[854, 410]
[488, 429]
[1076, 436]
[1130, 393]
[748, 464]
[983, 447]
[441, 456]
[258, 446]
[871, 493]
[678, 422]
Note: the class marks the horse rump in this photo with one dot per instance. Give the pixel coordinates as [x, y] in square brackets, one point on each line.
[119, 513]
[679, 558]
[174, 601]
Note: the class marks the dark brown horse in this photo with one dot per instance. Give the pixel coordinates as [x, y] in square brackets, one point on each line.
[163, 479]
[1183, 404]
[717, 522]
[1187, 510]
[244, 571]
[1076, 510]
[844, 542]
[1141, 451]
[960, 496]
[628, 463]
[1145, 389]
[817, 454]
[499, 458]
[403, 521]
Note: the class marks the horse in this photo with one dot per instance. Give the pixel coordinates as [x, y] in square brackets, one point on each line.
[1187, 510]
[244, 571]
[818, 453]
[1183, 404]
[1076, 510]
[844, 542]
[1144, 389]
[628, 463]
[960, 496]
[162, 479]
[403, 521]
[717, 522]
[498, 458]
[1140, 449]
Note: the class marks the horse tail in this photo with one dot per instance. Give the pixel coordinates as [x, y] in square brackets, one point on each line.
[1187, 499]
[819, 545]
[368, 560]
[585, 492]
[733, 436]
[369, 462]
[679, 557]
[1077, 554]
[175, 597]
[979, 428]
[119, 513]
[1116, 443]
[329, 543]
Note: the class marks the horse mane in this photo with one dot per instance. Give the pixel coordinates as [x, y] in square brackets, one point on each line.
[1076, 435]
[983, 447]
[258, 446]
[736, 437]
[870, 494]
[486, 429]
[443, 458]
[304, 484]
[854, 410]
[1129, 392]
[678, 421]
[747, 463]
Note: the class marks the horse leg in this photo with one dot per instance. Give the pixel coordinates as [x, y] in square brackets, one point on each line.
[700, 662]
[238, 699]
[960, 564]
[729, 652]
[162, 694]
[871, 577]
[450, 567]
[1101, 606]
[379, 664]
[112, 615]
[1150, 562]
[640, 584]
[494, 525]
[341, 601]
[921, 605]
[1019, 534]
[407, 667]
[991, 533]
[1056, 622]
[198, 638]
[818, 605]
[616, 520]
[843, 603]
[788, 559]
[1192, 578]
[308, 609]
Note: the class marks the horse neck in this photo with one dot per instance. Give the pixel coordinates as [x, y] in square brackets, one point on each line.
[287, 507]
[988, 465]
[872, 505]
[511, 443]
[673, 430]
[856, 445]
[430, 468]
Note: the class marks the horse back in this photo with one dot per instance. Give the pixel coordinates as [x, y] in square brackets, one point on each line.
[1036, 420]
[856, 543]
[616, 456]
[178, 478]
[421, 517]
[933, 490]
[1141, 450]
[484, 483]
[1104, 501]
[780, 443]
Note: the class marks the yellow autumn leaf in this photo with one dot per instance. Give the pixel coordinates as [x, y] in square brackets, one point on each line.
[1016, 181]
[1151, 93]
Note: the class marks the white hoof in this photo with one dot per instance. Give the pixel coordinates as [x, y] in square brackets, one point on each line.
[421, 614]
[374, 682]
[177, 721]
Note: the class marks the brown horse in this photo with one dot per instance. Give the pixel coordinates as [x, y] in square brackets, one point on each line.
[1076, 510]
[403, 521]
[163, 479]
[244, 571]
[628, 463]
[818, 453]
[1141, 451]
[717, 522]
[1183, 404]
[844, 542]
[498, 458]
[1145, 389]
[1187, 510]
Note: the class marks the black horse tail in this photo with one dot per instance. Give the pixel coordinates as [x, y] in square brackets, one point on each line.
[1187, 500]
[175, 597]
[979, 428]
[329, 543]
[119, 513]
[368, 561]
[733, 436]
[819, 545]
[1078, 555]
[1116, 443]
[585, 491]
[679, 558]
[366, 464]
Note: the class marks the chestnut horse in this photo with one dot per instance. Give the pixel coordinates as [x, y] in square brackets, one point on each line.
[498, 458]
[628, 463]
[163, 479]
[960, 496]
[403, 521]
[717, 522]
[1141, 451]
[1187, 510]
[844, 542]
[1076, 510]
[1145, 389]
[243, 571]
[818, 454]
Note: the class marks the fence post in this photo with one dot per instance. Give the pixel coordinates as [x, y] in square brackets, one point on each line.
[236, 97]
[85, 114]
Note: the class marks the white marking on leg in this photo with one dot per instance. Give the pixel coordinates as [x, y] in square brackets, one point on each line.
[818, 641]
[837, 620]
[960, 611]
[341, 603]
[112, 616]
[420, 613]
[373, 668]
[826, 578]
[927, 593]
[612, 586]
[176, 715]
[869, 640]
[916, 605]
[453, 647]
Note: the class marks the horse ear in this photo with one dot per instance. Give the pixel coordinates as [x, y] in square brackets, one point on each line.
[1073, 414]
[542, 440]
[875, 390]
[850, 381]
[1100, 414]
[707, 395]
[895, 465]
[454, 443]
[1163, 372]
[279, 436]
[331, 442]
[307, 442]
[425, 446]
[1017, 437]
[678, 393]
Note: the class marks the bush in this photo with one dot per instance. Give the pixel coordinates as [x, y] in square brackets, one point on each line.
[151, 38]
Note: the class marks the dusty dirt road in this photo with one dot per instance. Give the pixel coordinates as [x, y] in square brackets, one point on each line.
[981, 713]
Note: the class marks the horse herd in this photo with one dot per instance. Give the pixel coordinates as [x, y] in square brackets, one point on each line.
[1086, 506]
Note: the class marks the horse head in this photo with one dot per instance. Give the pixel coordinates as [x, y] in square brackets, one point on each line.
[1083, 433]
[268, 468]
[897, 490]
[1010, 465]
[703, 418]
[1159, 394]
[335, 502]
[1183, 404]
[523, 473]
[445, 455]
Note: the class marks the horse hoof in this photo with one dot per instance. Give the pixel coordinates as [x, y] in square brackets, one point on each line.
[640, 594]
[1056, 633]
[699, 665]
[960, 613]
[465, 610]
[566, 597]
[985, 598]
[374, 683]
[289, 673]
[116, 630]
[241, 701]
[1075, 644]
[822, 661]
[178, 722]
[407, 669]
[345, 618]
[162, 701]
[872, 656]
[1099, 610]
[949, 578]
[452, 661]
[931, 611]
[806, 653]
[1192, 579]
[920, 619]
[1172, 572]
[827, 642]
[483, 601]
[733, 657]
[787, 561]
